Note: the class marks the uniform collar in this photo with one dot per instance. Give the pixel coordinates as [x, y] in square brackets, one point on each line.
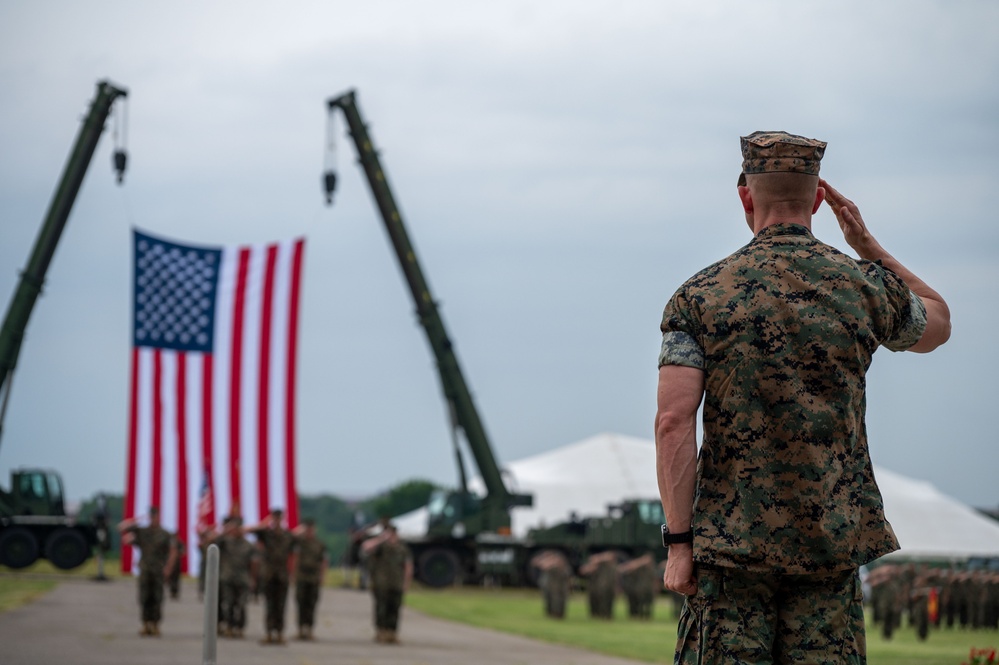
[780, 230]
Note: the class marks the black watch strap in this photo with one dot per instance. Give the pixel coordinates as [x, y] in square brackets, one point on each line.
[676, 538]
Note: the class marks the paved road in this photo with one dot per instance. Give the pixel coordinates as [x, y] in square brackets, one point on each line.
[84, 622]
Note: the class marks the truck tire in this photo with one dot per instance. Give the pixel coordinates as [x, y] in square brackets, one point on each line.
[66, 548]
[439, 567]
[18, 548]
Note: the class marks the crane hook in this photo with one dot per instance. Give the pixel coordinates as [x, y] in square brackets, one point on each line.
[329, 185]
[120, 159]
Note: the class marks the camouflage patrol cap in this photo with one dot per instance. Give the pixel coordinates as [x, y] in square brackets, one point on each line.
[774, 152]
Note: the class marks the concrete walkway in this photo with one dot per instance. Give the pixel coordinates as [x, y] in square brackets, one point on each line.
[85, 622]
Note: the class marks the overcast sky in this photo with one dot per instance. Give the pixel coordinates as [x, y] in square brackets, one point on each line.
[562, 168]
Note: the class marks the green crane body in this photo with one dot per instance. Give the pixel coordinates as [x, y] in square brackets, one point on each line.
[471, 515]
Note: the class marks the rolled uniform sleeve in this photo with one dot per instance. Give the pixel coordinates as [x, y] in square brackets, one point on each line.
[908, 313]
[912, 327]
[679, 328]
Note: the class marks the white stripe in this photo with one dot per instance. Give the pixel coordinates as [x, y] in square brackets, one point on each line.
[195, 465]
[250, 379]
[171, 477]
[144, 444]
[220, 384]
[276, 389]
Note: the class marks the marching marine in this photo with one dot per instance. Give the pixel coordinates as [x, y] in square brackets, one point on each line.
[601, 569]
[277, 543]
[555, 580]
[159, 556]
[310, 568]
[237, 564]
[391, 568]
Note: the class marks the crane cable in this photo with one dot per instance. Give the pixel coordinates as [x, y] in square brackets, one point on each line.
[119, 135]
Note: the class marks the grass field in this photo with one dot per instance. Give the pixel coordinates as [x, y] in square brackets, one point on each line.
[520, 612]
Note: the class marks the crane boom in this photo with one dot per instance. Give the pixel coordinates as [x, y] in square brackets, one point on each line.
[33, 277]
[496, 504]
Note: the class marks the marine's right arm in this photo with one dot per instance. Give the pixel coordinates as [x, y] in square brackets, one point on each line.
[679, 396]
[858, 236]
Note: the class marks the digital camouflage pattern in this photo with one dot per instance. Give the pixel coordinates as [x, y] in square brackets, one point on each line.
[309, 560]
[387, 565]
[154, 542]
[734, 618]
[308, 577]
[785, 329]
[277, 544]
[236, 555]
[774, 152]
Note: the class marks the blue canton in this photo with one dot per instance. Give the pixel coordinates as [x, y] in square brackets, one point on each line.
[174, 294]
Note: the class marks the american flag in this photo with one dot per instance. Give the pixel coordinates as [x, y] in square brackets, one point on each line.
[212, 403]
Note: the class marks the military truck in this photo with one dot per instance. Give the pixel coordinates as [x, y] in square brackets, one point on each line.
[34, 524]
[630, 528]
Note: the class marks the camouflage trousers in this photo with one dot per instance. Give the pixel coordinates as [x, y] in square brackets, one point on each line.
[555, 601]
[387, 604]
[151, 596]
[276, 594]
[232, 603]
[306, 596]
[763, 618]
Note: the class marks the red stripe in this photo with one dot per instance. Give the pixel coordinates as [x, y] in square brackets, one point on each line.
[206, 428]
[133, 450]
[263, 386]
[157, 492]
[289, 394]
[182, 489]
[236, 375]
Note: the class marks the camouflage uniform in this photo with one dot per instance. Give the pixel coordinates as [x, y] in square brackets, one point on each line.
[155, 543]
[554, 579]
[784, 330]
[173, 580]
[601, 589]
[236, 557]
[277, 544]
[639, 581]
[387, 565]
[311, 555]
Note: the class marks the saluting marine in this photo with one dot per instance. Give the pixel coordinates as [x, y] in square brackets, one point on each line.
[310, 567]
[159, 556]
[277, 543]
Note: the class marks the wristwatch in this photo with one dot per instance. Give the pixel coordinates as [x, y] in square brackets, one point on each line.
[675, 538]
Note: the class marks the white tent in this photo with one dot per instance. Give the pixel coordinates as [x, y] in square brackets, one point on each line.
[932, 525]
[604, 469]
[583, 477]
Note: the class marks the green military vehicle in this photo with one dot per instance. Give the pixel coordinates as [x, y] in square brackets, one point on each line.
[34, 524]
[630, 528]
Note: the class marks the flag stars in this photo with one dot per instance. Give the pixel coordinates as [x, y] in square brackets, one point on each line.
[174, 295]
